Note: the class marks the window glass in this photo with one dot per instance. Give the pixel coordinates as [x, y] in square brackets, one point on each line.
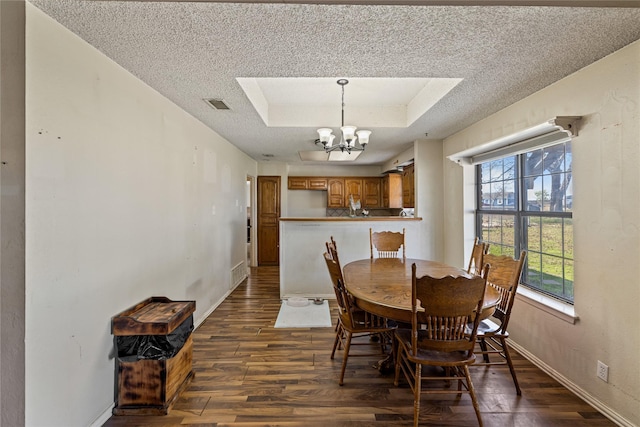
[525, 203]
[498, 184]
[499, 231]
[509, 165]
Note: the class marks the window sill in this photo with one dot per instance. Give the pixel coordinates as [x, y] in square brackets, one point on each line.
[547, 304]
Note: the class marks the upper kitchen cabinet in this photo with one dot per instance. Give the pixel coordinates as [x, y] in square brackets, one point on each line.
[392, 191]
[352, 187]
[335, 193]
[408, 187]
[372, 197]
[365, 189]
[307, 183]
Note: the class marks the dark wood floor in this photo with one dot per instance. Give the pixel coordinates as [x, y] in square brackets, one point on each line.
[250, 374]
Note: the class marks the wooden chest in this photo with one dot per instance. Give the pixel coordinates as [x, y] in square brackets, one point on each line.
[148, 386]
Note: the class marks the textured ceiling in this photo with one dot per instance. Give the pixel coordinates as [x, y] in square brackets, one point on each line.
[189, 51]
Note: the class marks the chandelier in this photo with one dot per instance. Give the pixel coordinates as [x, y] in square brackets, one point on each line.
[349, 136]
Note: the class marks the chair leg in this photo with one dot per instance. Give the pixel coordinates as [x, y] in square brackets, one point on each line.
[507, 356]
[483, 347]
[347, 346]
[416, 395]
[337, 340]
[472, 392]
[398, 360]
[383, 344]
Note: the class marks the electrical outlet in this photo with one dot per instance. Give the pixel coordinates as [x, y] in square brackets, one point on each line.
[603, 372]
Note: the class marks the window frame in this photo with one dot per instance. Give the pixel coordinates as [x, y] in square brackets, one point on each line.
[520, 213]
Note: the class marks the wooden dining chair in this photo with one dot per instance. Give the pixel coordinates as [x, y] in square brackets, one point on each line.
[353, 322]
[332, 249]
[504, 276]
[387, 244]
[477, 255]
[441, 309]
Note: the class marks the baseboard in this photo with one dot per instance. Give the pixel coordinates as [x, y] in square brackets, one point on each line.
[573, 387]
[104, 417]
[197, 322]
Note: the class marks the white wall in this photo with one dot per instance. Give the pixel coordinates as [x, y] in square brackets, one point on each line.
[121, 190]
[400, 159]
[302, 243]
[306, 203]
[12, 201]
[332, 169]
[606, 214]
[429, 196]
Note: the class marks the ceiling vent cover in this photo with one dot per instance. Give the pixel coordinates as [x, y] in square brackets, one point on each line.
[217, 104]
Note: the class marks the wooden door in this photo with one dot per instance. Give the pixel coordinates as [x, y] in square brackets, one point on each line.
[268, 216]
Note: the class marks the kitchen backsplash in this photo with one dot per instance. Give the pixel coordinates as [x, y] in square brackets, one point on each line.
[336, 212]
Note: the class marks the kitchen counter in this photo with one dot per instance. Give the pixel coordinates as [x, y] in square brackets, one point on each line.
[356, 218]
[303, 271]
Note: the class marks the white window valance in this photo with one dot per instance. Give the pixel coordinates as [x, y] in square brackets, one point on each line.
[554, 131]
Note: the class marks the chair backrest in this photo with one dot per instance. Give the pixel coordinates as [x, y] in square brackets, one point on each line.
[344, 300]
[504, 276]
[332, 249]
[387, 244]
[477, 255]
[452, 307]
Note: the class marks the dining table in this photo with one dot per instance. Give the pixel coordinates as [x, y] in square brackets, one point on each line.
[382, 286]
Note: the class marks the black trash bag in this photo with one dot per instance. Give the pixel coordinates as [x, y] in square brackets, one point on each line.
[154, 347]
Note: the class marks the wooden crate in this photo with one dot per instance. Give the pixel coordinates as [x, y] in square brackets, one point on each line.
[146, 386]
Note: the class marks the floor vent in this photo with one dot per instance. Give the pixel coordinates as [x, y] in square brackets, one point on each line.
[238, 274]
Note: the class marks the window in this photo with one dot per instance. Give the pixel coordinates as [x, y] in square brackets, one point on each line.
[525, 201]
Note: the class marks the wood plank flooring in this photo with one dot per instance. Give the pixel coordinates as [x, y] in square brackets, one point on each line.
[249, 374]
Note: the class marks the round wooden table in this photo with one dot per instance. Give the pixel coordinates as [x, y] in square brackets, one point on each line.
[382, 286]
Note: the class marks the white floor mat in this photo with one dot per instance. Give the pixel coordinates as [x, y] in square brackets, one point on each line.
[310, 316]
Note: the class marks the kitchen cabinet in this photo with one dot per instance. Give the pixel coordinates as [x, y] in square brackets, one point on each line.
[335, 193]
[317, 183]
[297, 183]
[392, 191]
[307, 183]
[408, 187]
[352, 187]
[368, 190]
[372, 197]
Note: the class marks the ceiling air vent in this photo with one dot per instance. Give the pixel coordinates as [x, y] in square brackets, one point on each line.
[217, 104]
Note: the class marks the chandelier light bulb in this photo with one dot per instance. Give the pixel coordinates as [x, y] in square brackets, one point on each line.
[363, 137]
[325, 135]
[348, 133]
